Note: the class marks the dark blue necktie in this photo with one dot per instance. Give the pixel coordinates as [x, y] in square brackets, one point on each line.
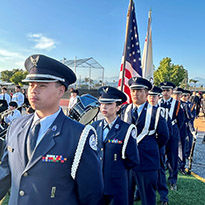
[32, 138]
[106, 129]
[134, 115]
[165, 104]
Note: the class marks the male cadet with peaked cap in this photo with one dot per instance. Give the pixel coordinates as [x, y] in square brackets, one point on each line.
[153, 98]
[63, 168]
[190, 128]
[177, 94]
[117, 146]
[149, 124]
[177, 119]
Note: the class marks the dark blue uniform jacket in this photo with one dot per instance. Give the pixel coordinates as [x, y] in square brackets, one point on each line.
[114, 167]
[42, 182]
[149, 146]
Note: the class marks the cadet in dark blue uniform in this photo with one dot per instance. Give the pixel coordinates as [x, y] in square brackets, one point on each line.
[49, 158]
[177, 94]
[117, 146]
[191, 113]
[177, 119]
[152, 133]
[162, 189]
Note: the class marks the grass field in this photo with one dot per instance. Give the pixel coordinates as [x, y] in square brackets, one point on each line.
[191, 191]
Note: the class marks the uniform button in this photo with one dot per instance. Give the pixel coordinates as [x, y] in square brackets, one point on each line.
[100, 158]
[25, 174]
[21, 193]
[101, 149]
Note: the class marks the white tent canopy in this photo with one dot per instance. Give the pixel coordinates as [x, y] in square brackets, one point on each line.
[89, 63]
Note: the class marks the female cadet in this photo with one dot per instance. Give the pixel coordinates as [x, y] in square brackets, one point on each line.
[117, 146]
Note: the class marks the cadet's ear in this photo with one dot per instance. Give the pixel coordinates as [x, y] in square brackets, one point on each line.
[61, 90]
[118, 107]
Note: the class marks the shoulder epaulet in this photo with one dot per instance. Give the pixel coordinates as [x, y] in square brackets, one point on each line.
[132, 128]
[80, 148]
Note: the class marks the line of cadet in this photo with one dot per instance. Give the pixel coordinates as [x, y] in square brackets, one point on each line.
[179, 114]
[51, 159]
[164, 127]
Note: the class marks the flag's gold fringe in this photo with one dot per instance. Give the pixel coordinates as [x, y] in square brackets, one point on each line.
[2, 201]
[197, 176]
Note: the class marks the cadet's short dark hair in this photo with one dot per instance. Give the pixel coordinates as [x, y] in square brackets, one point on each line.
[13, 104]
[4, 88]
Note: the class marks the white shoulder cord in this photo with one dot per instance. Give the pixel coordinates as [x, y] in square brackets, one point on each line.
[130, 129]
[80, 148]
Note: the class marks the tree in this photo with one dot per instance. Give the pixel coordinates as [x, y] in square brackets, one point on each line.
[6, 75]
[184, 84]
[15, 76]
[193, 81]
[169, 72]
[18, 77]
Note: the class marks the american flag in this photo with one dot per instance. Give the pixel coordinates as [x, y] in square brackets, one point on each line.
[131, 59]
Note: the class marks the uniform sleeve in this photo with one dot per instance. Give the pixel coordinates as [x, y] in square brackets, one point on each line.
[21, 99]
[5, 175]
[89, 177]
[162, 132]
[180, 118]
[170, 127]
[131, 153]
[7, 119]
[8, 99]
[122, 111]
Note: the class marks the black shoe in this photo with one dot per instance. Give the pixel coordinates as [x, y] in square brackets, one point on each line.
[173, 187]
[183, 171]
[137, 197]
[163, 202]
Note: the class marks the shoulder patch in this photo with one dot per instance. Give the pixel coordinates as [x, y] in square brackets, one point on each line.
[93, 142]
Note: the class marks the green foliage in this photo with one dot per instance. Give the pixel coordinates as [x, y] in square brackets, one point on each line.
[18, 77]
[184, 84]
[167, 71]
[193, 81]
[15, 76]
[6, 75]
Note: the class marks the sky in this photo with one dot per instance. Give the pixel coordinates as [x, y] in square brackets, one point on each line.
[96, 28]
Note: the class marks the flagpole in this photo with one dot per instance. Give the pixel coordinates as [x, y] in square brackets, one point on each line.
[147, 44]
[125, 47]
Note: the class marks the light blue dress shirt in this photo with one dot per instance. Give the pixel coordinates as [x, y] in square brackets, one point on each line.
[19, 98]
[106, 129]
[140, 108]
[45, 122]
[7, 97]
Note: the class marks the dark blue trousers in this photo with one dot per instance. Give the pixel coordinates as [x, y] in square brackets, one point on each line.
[189, 142]
[162, 184]
[147, 183]
[131, 186]
[172, 155]
[182, 147]
[116, 199]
